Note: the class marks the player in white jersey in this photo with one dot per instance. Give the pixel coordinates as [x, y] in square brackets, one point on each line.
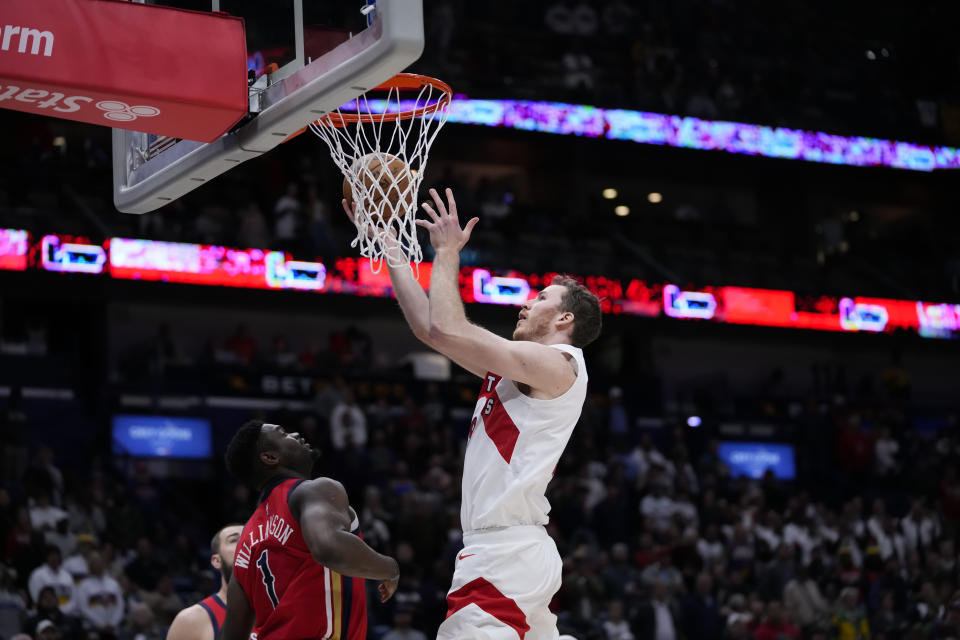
[532, 393]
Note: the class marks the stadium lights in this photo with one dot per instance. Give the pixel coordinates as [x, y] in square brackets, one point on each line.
[622, 210]
[655, 197]
[609, 193]
[694, 421]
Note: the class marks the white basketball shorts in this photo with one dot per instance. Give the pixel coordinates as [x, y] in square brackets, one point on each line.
[502, 586]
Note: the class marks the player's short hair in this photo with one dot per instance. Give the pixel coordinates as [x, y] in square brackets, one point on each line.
[242, 452]
[585, 307]
[215, 541]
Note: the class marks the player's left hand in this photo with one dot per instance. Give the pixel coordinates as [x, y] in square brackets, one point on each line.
[444, 225]
[387, 588]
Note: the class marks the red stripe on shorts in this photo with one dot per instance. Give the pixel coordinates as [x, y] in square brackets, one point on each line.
[488, 597]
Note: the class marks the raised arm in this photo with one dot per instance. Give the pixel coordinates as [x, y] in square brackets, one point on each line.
[412, 298]
[323, 511]
[240, 616]
[539, 366]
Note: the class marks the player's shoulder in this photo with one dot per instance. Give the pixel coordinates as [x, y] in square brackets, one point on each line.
[317, 490]
[191, 623]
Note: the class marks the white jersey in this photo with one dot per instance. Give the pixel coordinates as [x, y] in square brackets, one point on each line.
[513, 449]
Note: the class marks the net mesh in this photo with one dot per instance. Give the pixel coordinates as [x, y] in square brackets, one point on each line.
[398, 127]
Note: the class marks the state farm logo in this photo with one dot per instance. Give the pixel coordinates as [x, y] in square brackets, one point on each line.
[122, 112]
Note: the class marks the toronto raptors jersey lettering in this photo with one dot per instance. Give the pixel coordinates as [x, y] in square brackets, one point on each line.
[292, 595]
[513, 449]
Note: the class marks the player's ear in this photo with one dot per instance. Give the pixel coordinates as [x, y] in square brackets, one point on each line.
[216, 561]
[270, 458]
[565, 320]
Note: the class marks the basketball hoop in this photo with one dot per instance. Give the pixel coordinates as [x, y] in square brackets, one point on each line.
[397, 120]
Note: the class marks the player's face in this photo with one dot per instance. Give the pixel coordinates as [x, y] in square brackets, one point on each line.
[538, 314]
[228, 548]
[294, 451]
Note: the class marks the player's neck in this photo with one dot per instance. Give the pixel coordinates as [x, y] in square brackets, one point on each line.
[222, 594]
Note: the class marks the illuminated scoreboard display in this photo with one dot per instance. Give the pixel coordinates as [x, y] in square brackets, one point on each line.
[210, 265]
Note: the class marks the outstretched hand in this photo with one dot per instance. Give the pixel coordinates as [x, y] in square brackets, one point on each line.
[444, 225]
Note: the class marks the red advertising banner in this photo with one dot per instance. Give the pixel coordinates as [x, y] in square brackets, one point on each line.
[122, 64]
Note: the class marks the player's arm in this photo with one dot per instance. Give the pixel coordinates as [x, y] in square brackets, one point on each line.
[193, 623]
[411, 296]
[240, 616]
[539, 366]
[323, 511]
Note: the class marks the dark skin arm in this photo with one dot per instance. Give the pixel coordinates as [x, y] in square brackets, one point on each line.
[239, 619]
[323, 511]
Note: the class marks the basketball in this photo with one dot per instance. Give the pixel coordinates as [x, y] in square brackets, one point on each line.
[393, 185]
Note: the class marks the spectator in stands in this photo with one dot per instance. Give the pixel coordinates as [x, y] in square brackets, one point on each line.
[145, 568]
[348, 424]
[163, 601]
[99, 599]
[141, 625]
[286, 218]
[850, 619]
[52, 574]
[616, 627]
[887, 621]
[61, 537]
[44, 515]
[13, 436]
[242, 345]
[76, 564]
[659, 617]
[802, 598]
[776, 626]
[701, 615]
[13, 608]
[402, 619]
[47, 608]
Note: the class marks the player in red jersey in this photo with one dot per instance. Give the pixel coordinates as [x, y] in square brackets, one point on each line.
[203, 620]
[300, 561]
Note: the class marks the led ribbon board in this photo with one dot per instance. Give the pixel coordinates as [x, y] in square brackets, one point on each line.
[210, 265]
[694, 133]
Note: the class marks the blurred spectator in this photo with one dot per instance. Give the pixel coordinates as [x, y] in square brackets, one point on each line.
[242, 345]
[52, 574]
[13, 436]
[44, 516]
[701, 616]
[776, 626]
[348, 424]
[61, 537]
[286, 216]
[802, 598]
[887, 621]
[99, 599]
[885, 453]
[13, 608]
[402, 619]
[615, 627]
[163, 601]
[659, 617]
[76, 564]
[145, 568]
[849, 618]
[48, 608]
[141, 625]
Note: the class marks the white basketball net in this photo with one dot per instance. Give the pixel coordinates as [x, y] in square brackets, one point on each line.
[379, 221]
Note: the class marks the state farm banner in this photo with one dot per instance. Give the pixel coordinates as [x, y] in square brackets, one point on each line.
[122, 64]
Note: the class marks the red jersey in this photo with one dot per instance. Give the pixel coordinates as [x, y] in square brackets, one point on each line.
[292, 595]
[216, 609]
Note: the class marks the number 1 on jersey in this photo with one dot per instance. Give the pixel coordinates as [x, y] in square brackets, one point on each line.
[263, 563]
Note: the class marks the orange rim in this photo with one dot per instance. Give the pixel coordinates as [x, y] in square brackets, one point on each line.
[401, 82]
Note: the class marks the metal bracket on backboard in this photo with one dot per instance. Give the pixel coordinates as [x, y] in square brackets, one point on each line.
[392, 42]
